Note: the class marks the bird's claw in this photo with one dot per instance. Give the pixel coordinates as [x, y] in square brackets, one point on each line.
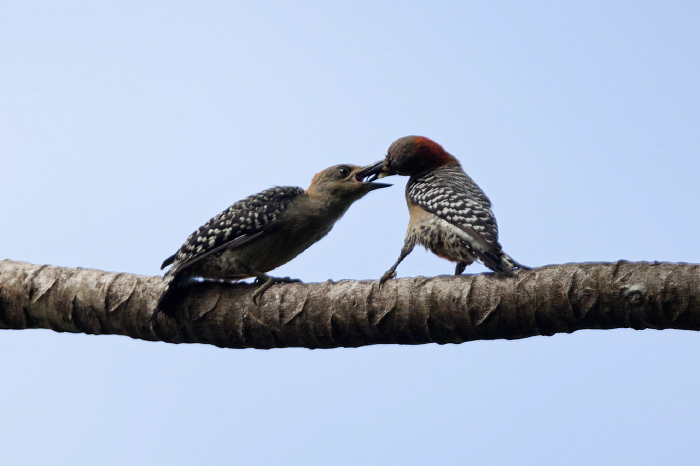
[387, 276]
[261, 289]
[269, 281]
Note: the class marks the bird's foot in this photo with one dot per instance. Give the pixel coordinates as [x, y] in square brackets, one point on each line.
[389, 274]
[267, 281]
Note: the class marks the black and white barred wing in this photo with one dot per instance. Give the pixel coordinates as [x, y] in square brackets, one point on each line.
[453, 196]
[241, 223]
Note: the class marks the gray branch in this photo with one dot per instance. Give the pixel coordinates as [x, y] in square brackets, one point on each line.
[410, 311]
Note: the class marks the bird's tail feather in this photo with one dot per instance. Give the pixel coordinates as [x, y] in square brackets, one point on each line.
[501, 263]
[172, 282]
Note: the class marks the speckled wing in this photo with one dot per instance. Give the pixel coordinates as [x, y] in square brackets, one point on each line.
[241, 223]
[452, 195]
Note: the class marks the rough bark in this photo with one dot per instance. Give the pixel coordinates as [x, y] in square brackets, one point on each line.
[445, 309]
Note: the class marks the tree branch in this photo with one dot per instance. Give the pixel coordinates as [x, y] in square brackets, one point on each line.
[445, 309]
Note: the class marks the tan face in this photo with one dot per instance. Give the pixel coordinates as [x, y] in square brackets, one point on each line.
[343, 180]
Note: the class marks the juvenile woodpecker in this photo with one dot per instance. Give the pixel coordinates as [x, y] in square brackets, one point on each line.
[449, 214]
[264, 231]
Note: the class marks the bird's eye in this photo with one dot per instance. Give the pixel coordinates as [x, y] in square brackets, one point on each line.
[344, 171]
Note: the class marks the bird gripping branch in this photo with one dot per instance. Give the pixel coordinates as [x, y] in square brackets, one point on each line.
[449, 214]
[264, 231]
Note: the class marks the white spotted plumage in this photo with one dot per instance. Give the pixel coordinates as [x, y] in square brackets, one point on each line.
[233, 226]
[467, 230]
[264, 231]
[234, 222]
[449, 214]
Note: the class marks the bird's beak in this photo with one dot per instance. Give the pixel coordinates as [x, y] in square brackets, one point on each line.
[374, 171]
[365, 172]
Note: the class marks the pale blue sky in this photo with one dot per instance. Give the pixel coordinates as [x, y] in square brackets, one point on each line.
[125, 125]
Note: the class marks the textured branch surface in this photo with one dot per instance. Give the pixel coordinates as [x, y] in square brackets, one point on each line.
[544, 301]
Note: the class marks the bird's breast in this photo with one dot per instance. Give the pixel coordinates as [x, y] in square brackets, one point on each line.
[439, 236]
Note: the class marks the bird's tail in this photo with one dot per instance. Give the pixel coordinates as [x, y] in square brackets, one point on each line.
[501, 262]
[171, 284]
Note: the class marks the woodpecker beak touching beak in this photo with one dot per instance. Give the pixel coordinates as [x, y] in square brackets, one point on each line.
[363, 173]
[374, 171]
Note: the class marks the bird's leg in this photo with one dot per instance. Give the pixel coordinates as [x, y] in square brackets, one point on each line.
[391, 273]
[266, 280]
[460, 268]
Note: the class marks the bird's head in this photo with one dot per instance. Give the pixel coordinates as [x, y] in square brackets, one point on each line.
[409, 156]
[342, 182]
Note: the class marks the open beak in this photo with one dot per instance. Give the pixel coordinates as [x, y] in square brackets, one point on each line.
[373, 172]
[363, 176]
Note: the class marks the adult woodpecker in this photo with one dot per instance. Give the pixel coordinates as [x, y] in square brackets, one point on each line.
[449, 214]
[264, 231]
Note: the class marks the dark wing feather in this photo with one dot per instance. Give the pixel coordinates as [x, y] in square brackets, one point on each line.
[453, 196]
[168, 261]
[240, 224]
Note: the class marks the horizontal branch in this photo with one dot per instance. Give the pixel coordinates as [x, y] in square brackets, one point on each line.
[445, 309]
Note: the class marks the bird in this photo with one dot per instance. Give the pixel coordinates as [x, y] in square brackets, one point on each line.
[449, 214]
[264, 231]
